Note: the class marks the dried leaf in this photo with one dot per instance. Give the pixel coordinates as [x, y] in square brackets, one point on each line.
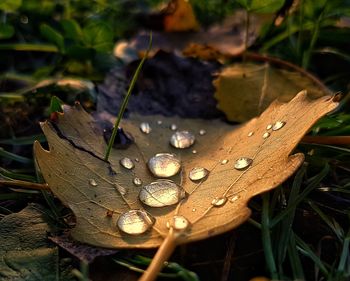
[245, 90]
[98, 192]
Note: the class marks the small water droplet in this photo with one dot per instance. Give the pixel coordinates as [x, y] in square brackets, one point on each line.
[194, 151]
[243, 163]
[178, 223]
[135, 222]
[278, 125]
[225, 161]
[127, 163]
[268, 127]
[198, 173]
[161, 193]
[173, 127]
[145, 128]
[266, 135]
[182, 139]
[24, 19]
[137, 181]
[159, 122]
[194, 209]
[234, 198]
[219, 201]
[164, 165]
[92, 182]
[250, 134]
[137, 160]
[202, 132]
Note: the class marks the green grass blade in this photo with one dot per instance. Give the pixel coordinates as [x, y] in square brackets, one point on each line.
[345, 255]
[16, 176]
[295, 262]
[126, 100]
[29, 47]
[14, 157]
[24, 140]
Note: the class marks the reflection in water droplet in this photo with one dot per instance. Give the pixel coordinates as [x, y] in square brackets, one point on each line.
[278, 125]
[135, 222]
[219, 201]
[198, 173]
[266, 135]
[92, 182]
[194, 151]
[268, 127]
[243, 163]
[173, 127]
[127, 163]
[182, 139]
[223, 162]
[145, 128]
[250, 134]
[202, 132]
[137, 181]
[178, 223]
[161, 193]
[234, 198]
[164, 165]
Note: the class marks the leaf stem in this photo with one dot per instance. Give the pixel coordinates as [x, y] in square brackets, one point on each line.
[164, 252]
[126, 100]
[24, 184]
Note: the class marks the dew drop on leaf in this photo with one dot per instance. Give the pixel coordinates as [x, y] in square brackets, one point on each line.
[137, 181]
[250, 134]
[135, 222]
[159, 122]
[92, 182]
[161, 193]
[219, 201]
[234, 198]
[243, 163]
[268, 127]
[182, 139]
[202, 132]
[145, 128]
[278, 125]
[194, 151]
[225, 161]
[198, 173]
[164, 165]
[178, 223]
[266, 135]
[127, 163]
[173, 127]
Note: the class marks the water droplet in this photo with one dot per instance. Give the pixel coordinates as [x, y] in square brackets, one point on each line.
[161, 193]
[225, 161]
[179, 223]
[202, 132]
[268, 127]
[198, 173]
[135, 222]
[250, 134]
[137, 181]
[266, 135]
[159, 122]
[145, 128]
[173, 127]
[92, 182]
[182, 139]
[194, 151]
[127, 163]
[194, 209]
[278, 125]
[164, 165]
[234, 198]
[219, 201]
[243, 163]
[137, 160]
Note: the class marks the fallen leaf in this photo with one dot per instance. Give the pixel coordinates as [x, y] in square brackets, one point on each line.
[243, 91]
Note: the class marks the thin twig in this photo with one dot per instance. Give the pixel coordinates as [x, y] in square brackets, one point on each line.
[24, 184]
[331, 140]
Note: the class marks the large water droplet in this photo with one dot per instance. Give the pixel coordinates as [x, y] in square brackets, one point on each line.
[173, 127]
[161, 193]
[278, 125]
[243, 163]
[225, 161]
[179, 223]
[127, 163]
[92, 182]
[266, 135]
[198, 173]
[202, 132]
[145, 128]
[137, 181]
[182, 139]
[135, 222]
[219, 201]
[269, 126]
[164, 165]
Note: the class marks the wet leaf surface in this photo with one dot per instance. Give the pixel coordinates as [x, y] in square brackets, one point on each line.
[212, 206]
